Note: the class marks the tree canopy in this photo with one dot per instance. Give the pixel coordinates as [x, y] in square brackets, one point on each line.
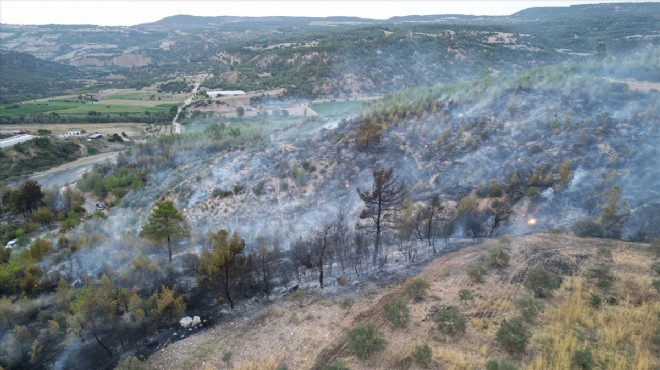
[166, 222]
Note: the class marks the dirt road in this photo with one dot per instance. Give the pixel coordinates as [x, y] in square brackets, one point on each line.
[71, 172]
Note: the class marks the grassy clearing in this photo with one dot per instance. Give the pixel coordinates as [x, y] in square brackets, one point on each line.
[335, 108]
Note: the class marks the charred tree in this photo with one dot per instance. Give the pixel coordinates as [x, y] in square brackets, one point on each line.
[381, 204]
[427, 222]
[217, 261]
[501, 213]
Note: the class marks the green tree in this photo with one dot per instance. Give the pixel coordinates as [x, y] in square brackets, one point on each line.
[240, 111]
[582, 359]
[365, 340]
[368, 132]
[500, 365]
[497, 257]
[43, 215]
[218, 260]
[541, 281]
[27, 197]
[565, 175]
[529, 308]
[166, 222]
[450, 321]
[382, 202]
[476, 271]
[614, 213]
[93, 309]
[417, 288]
[423, 356]
[168, 306]
[23, 338]
[513, 335]
[397, 312]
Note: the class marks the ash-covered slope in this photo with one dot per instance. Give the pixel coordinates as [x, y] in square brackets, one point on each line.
[450, 140]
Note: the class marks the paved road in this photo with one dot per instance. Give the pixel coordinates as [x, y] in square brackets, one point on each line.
[15, 140]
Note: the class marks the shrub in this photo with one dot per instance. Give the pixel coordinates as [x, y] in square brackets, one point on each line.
[465, 295]
[588, 229]
[601, 274]
[595, 300]
[655, 338]
[476, 271]
[604, 253]
[417, 288]
[397, 312]
[500, 365]
[497, 257]
[655, 267]
[347, 303]
[365, 340]
[130, 363]
[513, 335]
[423, 356]
[259, 188]
[582, 359]
[450, 321]
[490, 190]
[529, 308]
[298, 296]
[226, 357]
[337, 365]
[655, 247]
[541, 281]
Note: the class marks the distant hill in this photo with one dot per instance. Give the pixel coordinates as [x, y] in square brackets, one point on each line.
[18, 68]
[24, 76]
[329, 56]
[588, 11]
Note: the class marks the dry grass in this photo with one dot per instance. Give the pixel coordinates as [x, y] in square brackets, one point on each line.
[315, 335]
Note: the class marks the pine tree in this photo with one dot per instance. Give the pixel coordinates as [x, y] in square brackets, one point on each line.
[217, 261]
[165, 222]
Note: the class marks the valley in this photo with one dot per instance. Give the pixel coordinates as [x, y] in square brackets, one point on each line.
[434, 191]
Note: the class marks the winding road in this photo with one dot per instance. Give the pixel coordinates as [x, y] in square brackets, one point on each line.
[175, 124]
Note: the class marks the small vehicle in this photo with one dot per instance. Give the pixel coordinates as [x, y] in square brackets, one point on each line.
[10, 244]
[100, 206]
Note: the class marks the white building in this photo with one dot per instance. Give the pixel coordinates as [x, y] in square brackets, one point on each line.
[216, 93]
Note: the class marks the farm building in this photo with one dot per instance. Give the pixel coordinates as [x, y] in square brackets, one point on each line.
[216, 93]
[95, 136]
[71, 133]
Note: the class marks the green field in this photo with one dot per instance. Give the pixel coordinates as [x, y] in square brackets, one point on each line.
[76, 108]
[335, 108]
[140, 96]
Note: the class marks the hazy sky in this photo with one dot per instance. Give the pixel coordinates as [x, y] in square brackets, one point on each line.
[131, 12]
